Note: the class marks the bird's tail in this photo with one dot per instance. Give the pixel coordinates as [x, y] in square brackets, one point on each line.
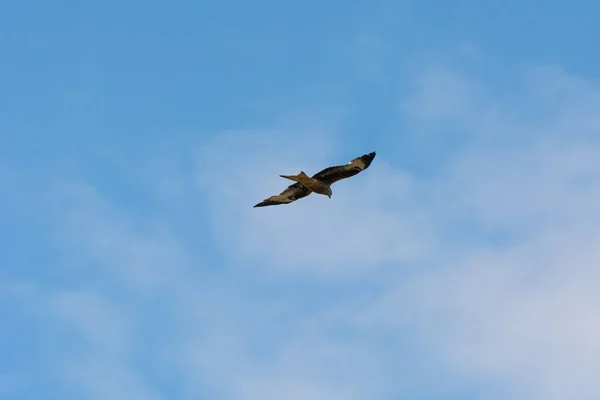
[296, 178]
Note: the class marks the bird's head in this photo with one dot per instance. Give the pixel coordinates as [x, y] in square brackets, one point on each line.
[328, 193]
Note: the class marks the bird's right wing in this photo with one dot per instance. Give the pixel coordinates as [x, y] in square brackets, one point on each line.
[333, 174]
[290, 194]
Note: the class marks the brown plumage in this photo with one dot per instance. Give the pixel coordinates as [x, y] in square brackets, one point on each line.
[319, 183]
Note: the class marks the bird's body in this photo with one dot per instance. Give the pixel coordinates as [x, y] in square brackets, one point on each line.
[312, 184]
[319, 183]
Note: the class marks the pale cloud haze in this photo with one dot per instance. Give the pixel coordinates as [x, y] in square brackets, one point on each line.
[463, 264]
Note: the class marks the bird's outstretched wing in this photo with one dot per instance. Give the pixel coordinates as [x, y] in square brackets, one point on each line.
[334, 174]
[290, 194]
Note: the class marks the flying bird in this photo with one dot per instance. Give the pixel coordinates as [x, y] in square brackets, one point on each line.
[319, 183]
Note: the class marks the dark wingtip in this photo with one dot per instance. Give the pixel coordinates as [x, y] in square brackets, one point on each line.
[265, 203]
[368, 158]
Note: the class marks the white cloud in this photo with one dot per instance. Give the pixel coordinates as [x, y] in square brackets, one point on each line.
[369, 218]
[96, 236]
[408, 284]
[516, 315]
[102, 367]
[99, 379]
[256, 352]
[99, 321]
[440, 96]
[519, 316]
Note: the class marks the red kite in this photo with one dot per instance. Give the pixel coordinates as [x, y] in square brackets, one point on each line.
[319, 183]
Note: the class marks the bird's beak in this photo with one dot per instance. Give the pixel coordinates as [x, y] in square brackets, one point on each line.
[329, 195]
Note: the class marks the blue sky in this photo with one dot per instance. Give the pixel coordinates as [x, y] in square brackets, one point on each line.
[135, 137]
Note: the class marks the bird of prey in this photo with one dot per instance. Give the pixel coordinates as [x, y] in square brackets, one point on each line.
[319, 183]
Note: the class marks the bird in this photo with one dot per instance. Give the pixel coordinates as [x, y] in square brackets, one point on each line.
[319, 183]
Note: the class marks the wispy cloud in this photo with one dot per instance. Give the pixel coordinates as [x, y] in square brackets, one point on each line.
[506, 299]
[514, 310]
[479, 277]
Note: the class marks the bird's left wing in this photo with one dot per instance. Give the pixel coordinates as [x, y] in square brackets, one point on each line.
[334, 174]
[290, 194]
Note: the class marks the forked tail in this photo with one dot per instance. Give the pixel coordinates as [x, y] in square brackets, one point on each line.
[295, 178]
